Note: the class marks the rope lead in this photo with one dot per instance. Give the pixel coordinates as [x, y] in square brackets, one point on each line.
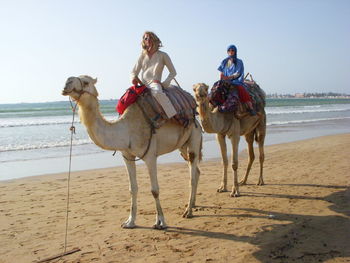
[72, 129]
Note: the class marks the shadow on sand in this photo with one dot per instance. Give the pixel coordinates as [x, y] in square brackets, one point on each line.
[304, 239]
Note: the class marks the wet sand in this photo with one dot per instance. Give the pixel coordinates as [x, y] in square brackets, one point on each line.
[302, 214]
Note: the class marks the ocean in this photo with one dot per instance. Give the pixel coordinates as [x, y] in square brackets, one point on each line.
[35, 137]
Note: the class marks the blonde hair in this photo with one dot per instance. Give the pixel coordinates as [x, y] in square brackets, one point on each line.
[153, 38]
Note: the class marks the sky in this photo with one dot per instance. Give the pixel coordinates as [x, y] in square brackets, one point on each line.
[290, 46]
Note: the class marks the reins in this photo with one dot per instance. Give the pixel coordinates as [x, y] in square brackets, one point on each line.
[72, 129]
[65, 252]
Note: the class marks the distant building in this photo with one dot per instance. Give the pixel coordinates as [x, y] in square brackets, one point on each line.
[299, 95]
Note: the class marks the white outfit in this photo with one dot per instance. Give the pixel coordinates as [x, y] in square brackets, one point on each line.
[151, 69]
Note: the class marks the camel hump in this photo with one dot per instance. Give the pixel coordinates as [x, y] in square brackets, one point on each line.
[183, 102]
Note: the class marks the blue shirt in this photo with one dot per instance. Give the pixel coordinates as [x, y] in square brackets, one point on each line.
[229, 68]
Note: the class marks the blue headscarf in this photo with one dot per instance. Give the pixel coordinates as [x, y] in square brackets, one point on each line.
[235, 55]
[237, 66]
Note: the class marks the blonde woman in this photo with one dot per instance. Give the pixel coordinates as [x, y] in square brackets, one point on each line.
[150, 66]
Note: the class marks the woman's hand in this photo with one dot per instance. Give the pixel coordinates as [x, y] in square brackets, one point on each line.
[223, 77]
[136, 81]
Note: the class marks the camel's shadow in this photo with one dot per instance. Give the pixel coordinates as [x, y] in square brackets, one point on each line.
[307, 185]
[305, 238]
[308, 238]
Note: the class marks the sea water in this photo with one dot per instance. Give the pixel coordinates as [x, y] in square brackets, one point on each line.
[35, 137]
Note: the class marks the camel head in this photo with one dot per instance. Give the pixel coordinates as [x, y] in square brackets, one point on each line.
[77, 86]
[200, 91]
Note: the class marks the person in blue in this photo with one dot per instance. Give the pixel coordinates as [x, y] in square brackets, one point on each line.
[232, 70]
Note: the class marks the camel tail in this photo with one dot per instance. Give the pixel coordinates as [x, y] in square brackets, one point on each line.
[260, 130]
[256, 135]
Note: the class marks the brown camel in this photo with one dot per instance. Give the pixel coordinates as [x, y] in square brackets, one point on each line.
[226, 124]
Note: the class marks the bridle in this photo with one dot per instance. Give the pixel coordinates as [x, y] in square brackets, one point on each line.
[80, 93]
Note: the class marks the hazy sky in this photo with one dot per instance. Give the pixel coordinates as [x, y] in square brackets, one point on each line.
[288, 46]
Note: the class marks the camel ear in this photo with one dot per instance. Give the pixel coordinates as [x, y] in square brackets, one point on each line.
[94, 81]
[206, 87]
[194, 87]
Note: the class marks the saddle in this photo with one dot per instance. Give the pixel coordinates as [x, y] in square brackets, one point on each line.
[224, 96]
[257, 94]
[183, 102]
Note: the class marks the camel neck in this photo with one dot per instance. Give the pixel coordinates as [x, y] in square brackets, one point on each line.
[205, 115]
[105, 134]
[212, 121]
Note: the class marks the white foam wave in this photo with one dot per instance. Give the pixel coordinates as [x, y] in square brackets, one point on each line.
[27, 122]
[275, 123]
[277, 111]
[22, 147]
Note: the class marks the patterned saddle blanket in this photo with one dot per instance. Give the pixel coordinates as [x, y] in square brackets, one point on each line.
[183, 102]
[224, 95]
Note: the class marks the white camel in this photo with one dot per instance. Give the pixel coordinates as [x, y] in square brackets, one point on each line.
[226, 124]
[131, 135]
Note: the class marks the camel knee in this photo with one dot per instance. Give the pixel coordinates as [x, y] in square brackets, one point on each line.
[191, 157]
[155, 193]
[235, 166]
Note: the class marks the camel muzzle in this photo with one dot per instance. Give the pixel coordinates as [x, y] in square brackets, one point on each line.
[66, 91]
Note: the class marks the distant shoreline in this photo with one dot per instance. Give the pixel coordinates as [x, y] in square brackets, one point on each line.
[288, 96]
[268, 96]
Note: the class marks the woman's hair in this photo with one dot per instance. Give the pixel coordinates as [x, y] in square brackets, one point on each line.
[153, 38]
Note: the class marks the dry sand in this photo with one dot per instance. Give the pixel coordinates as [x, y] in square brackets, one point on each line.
[300, 215]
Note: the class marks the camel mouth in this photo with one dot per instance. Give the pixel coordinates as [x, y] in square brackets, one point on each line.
[201, 96]
[64, 92]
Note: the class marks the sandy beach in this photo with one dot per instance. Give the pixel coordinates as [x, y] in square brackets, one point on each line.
[302, 214]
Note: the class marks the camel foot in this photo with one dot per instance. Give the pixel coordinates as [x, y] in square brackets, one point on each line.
[160, 223]
[222, 189]
[261, 182]
[235, 193]
[159, 226]
[187, 214]
[128, 225]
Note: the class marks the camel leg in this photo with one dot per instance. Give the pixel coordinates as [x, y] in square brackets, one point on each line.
[250, 141]
[185, 155]
[198, 173]
[191, 151]
[133, 188]
[235, 141]
[261, 140]
[151, 163]
[222, 142]
[194, 172]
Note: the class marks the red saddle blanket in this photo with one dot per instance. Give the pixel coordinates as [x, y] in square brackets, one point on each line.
[129, 97]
